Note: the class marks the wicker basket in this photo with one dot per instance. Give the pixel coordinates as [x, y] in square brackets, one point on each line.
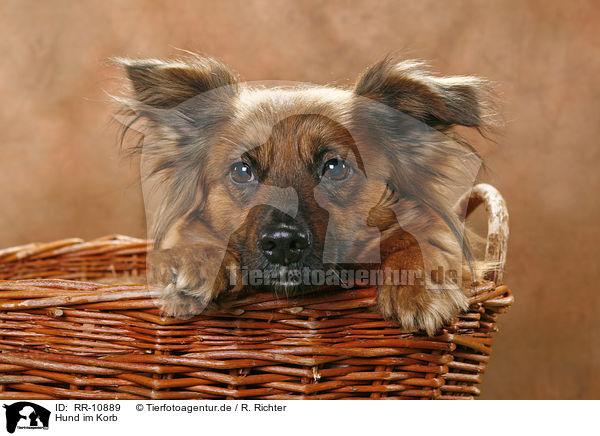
[62, 336]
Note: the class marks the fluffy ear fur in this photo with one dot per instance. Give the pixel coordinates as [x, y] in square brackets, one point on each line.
[166, 84]
[180, 106]
[439, 102]
[405, 108]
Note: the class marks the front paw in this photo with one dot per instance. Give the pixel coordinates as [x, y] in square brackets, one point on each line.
[416, 308]
[189, 278]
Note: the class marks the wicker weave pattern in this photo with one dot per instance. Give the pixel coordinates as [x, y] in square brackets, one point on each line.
[61, 338]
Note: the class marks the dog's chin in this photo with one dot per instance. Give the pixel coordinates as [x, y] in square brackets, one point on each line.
[287, 288]
[284, 280]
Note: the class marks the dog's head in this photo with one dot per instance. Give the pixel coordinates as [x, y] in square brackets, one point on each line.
[302, 177]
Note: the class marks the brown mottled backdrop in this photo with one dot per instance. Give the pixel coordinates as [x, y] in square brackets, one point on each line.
[61, 174]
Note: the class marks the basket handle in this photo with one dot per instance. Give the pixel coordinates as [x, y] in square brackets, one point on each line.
[497, 236]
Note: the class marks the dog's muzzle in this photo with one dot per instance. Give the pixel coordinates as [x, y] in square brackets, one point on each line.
[283, 244]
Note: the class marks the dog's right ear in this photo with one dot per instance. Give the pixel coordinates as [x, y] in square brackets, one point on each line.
[166, 84]
[440, 102]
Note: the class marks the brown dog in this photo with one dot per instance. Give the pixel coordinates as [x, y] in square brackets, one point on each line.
[265, 186]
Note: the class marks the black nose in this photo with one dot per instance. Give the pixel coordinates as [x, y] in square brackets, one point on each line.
[283, 244]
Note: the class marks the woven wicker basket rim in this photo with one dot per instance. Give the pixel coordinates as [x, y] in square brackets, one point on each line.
[65, 335]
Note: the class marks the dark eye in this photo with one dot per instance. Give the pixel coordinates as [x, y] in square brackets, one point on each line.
[241, 172]
[337, 169]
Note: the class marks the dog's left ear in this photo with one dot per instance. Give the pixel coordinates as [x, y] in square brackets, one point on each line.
[166, 84]
[439, 102]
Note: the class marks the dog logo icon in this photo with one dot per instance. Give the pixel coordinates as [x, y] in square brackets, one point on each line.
[26, 415]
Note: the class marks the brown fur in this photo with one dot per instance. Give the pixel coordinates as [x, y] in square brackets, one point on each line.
[201, 120]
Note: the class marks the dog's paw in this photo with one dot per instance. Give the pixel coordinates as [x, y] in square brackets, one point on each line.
[189, 278]
[416, 308]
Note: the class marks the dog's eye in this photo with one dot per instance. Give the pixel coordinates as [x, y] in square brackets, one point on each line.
[337, 169]
[240, 172]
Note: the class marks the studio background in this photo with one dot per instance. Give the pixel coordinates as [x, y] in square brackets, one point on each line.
[62, 175]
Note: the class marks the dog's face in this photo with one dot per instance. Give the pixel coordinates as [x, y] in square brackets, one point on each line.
[296, 178]
[283, 181]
